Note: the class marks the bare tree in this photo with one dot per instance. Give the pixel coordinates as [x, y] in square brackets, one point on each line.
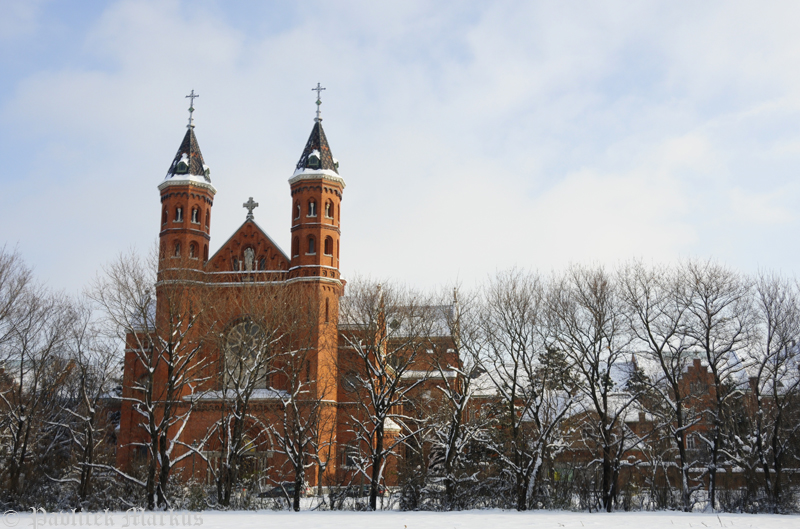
[248, 352]
[589, 326]
[385, 332]
[456, 367]
[532, 396]
[776, 384]
[298, 431]
[720, 328]
[658, 316]
[96, 362]
[34, 327]
[158, 321]
[15, 281]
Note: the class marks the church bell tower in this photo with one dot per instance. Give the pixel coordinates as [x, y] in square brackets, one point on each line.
[186, 199]
[316, 189]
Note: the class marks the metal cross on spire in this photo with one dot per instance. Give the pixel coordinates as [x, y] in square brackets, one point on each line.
[250, 205]
[318, 89]
[191, 97]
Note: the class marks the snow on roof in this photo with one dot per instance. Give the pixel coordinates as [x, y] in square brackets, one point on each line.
[430, 375]
[390, 426]
[258, 394]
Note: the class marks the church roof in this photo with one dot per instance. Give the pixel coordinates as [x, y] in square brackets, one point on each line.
[317, 157]
[188, 160]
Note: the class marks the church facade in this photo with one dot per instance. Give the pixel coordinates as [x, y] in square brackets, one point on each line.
[241, 302]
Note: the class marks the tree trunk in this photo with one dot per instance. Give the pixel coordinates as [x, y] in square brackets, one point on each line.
[376, 468]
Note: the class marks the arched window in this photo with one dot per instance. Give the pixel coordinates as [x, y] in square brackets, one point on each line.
[208, 219]
[337, 249]
[328, 249]
[262, 264]
[177, 252]
[297, 210]
[164, 217]
[193, 251]
[163, 251]
[178, 214]
[326, 310]
[205, 252]
[328, 210]
[312, 208]
[195, 216]
[312, 248]
[295, 247]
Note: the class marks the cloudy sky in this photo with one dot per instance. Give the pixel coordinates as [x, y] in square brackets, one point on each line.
[473, 136]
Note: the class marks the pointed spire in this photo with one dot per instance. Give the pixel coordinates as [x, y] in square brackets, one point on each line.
[189, 160]
[317, 154]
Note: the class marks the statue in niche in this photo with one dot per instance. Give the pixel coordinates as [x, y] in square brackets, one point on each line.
[249, 257]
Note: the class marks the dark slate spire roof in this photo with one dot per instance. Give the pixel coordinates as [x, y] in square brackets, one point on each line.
[189, 152]
[317, 142]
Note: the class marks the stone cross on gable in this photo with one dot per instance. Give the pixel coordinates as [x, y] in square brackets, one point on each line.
[318, 90]
[250, 205]
[191, 97]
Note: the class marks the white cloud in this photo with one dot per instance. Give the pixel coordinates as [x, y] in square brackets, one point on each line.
[472, 137]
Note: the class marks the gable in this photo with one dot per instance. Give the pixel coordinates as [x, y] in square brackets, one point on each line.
[267, 255]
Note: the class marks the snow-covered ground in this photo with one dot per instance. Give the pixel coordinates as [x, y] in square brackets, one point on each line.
[491, 519]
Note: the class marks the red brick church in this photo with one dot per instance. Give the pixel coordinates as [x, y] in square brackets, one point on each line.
[209, 291]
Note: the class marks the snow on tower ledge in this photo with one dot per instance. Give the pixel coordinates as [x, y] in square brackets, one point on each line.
[316, 161]
[188, 166]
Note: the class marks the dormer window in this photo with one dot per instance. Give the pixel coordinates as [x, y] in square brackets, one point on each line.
[183, 165]
[313, 160]
[178, 215]
[312, 209]
[195, 216]
[336, 164]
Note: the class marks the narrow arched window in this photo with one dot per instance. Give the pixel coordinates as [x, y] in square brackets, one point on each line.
[326, 310]
[163, 251]
[337, 249]
[205, 252]
[177, 252]
[195, 216]
[312, 208]
[295, 247]
[328, 248]
[208, 219]
[297, 210]
[262, 264]
[312, 248]
[328, 209]
[178, 214]
[164, 217]
[193, 251]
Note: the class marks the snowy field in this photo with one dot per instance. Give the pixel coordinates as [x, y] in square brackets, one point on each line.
[491, 519]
